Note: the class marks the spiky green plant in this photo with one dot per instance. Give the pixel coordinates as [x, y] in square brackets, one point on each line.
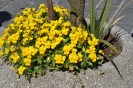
[100, 27]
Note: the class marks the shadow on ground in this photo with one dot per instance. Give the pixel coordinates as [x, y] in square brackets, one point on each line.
[4, 16]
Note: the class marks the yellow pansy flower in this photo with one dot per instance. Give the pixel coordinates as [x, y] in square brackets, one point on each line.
[93, 57]
[73, 58]
[1, 53]
[6, 50]
[27, 61]
[1, 42]
[21, 69]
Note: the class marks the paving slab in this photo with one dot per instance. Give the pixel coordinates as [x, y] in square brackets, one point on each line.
[4, 3]
[14, 8]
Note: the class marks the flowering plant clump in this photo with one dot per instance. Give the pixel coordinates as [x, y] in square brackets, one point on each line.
[33, 44]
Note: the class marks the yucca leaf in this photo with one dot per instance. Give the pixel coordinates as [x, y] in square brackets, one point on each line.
[103, 17]
[110, 45]
[110, 26]
[114, 19]
[92, 17]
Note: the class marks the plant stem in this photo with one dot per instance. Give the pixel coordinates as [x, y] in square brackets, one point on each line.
[50, 10]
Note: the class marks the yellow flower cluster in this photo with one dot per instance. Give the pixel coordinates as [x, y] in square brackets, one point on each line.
[15, 57]
[59, 59]
[21, 69]
[92, 50]
[32, 37]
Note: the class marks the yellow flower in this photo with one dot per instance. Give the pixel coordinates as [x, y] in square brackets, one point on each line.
[42, 49]
[101, 52]
[1, 53]
[51, 35]
[59, 39]
[37, 44]
[47, 44]
[14, 38]
[44, 39]
[94, 41]
[59, 59]
[80, 57]
[74, 50]
[67, 24]
[83, 49]
[85, 35]
[32, 25]
[73, 29]
[1, 42]
[12, 48]
[66, 49]
[34, 52]
[65, 31]
[21, 69]
[15, 57]
[92, 49]
[93, 57]
[60, 20]
[73, 58]
[73, 36]
[27, 61]
[53, 45]
[92, 35]
[25, 51]
[6, 50]
[41, 5]
[71, 68]
[74, 42]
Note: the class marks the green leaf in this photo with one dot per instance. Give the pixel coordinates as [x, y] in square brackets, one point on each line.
[89, 63]
[67, 63]
[76, 67]
[35, 34]
[100, 63]
[60, 52]
[82, 64]
[40, 61]
[53, 63]
[110, 45]
[39, 57]
[92, 17]
[103, 17]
